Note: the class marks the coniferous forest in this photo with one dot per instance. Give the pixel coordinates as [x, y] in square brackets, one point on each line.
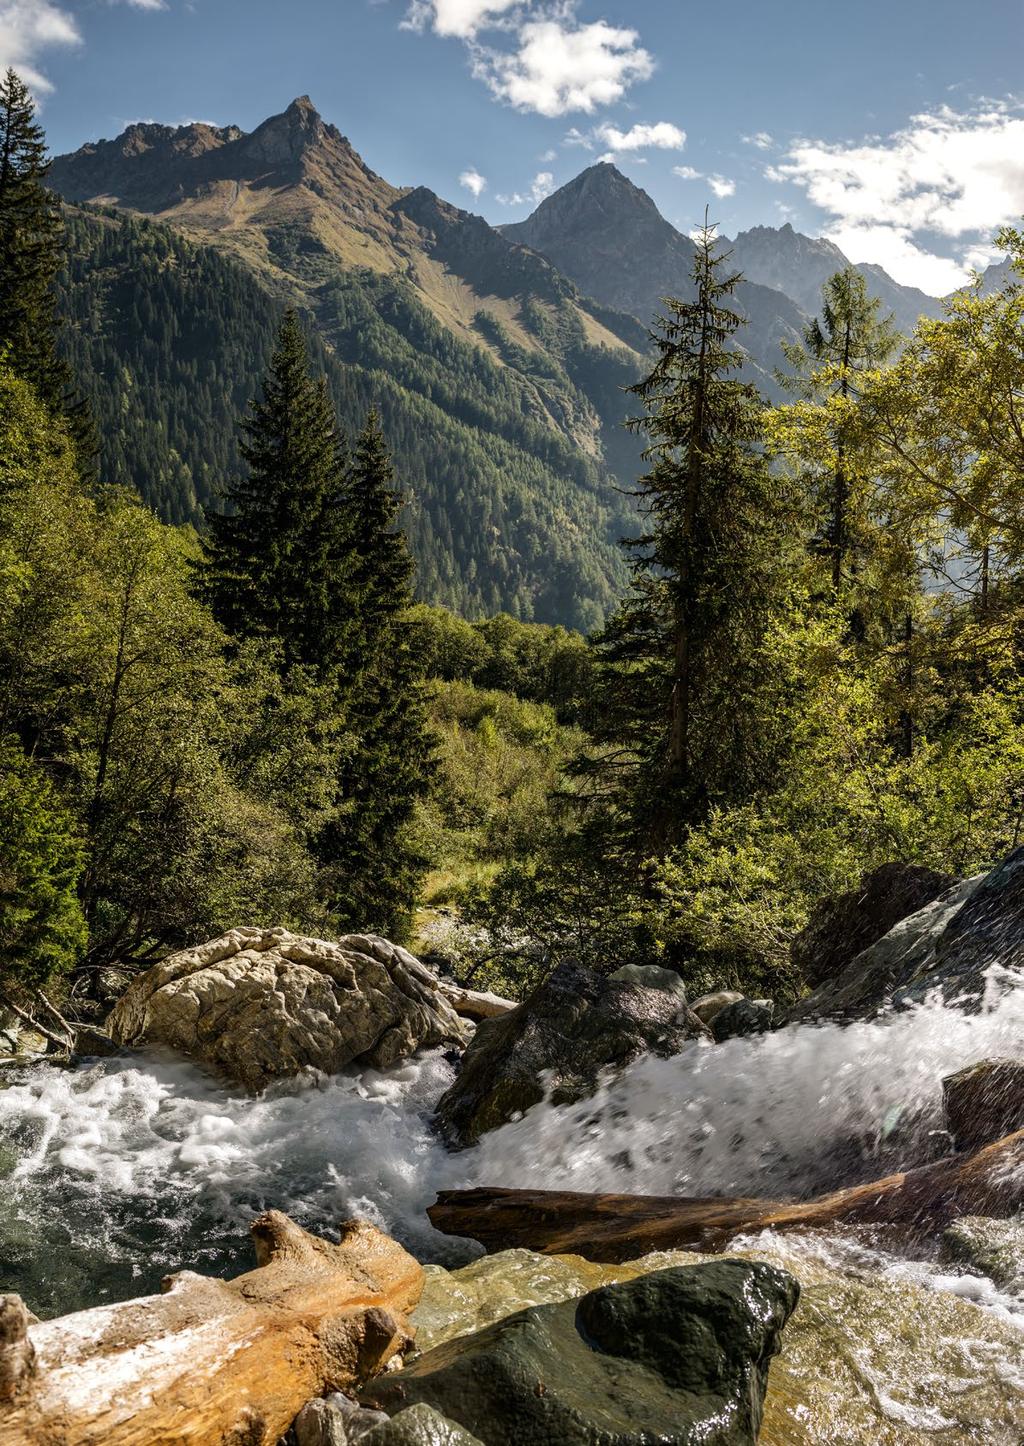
[219, 699]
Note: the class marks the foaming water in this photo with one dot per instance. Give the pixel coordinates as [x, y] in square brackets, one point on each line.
[116, 1171]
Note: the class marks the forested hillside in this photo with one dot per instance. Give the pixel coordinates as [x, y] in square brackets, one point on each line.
[168, 340]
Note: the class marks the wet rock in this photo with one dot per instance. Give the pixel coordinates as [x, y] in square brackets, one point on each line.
[742, 1017]
[841, 927]
[258, 1005]
[876, 1361]
[908, 953]
[334, 1420]
[677, 1356]
[991, 1247]
[708, 1005]
[984, 1102]
[420, 1426]
[570, 1028]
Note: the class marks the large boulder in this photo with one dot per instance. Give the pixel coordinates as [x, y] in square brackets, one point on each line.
[571, 1027]
[842, 926]
[904, 956]
[258, 1005]
[984, 1102]
[742, 1017]
[678, 1356]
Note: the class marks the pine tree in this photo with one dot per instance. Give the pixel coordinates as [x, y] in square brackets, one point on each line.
[850, 339]
[685, 720]
[31, 252]
[276, 563]
[376, 866]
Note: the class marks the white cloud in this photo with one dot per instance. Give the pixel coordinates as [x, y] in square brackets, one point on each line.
[923, 200]
[661, 136]
[761, 139]
[472, 180]
[542, 187]
[687, 173]
[722, 186]
[559, 67]
[551, 155]
[461, 18]
[27, 28]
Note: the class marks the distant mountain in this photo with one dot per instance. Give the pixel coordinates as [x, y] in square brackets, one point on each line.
[608, 236]
[501, 384]
[800, 265]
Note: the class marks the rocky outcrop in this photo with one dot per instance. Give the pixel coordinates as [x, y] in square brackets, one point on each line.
[678, 1356]
[708, 1005]
[260, 1005]
[984, 1102]
[571, 1027]
[841, 927]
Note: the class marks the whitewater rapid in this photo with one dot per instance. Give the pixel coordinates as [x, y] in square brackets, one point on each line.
[116, 1171]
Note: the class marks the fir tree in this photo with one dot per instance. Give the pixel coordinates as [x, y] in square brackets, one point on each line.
[31, 252]
[684, 663]
[276, 563]
[375, 865]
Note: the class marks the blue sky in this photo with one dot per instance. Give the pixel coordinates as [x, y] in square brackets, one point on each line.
[895, 128]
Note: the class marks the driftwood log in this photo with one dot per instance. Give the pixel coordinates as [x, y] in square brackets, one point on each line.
[614, 1228]
[211, 1362]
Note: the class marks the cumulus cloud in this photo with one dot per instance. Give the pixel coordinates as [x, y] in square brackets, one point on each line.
[559, 66]
[924, 201]
[722, 186]
[472, 180]
[29, 27]
[761, 139]
[461, 18]
[661, 136]
[687, 173]
[542, 187]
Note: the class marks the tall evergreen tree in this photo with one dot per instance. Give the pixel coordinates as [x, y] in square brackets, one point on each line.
[685, 665]
[848, 341]
[31, 251]
[376, 866]
[276, 563]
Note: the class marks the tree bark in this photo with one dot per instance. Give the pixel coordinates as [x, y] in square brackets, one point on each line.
[613, 1228]
[211, 1362]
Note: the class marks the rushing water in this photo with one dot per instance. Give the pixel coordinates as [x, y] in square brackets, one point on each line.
[116, 1171]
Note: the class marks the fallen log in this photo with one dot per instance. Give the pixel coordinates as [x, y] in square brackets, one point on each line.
[614, 1228]
[211, 1362]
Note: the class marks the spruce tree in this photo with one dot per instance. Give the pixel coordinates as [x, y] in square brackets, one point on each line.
[376, 866]
[31, 252]
[849, 340]
[685, 722]
[276, 563]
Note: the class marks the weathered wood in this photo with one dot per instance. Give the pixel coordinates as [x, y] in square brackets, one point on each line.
[212, 1362]
[614, 1228]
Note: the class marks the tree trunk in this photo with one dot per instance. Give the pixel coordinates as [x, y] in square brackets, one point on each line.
[211, 1362]
[621, 1227]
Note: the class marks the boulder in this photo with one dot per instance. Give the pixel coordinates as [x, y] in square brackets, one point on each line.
[742, 1017]
[708, 1005]
[866, 1358]
[651, 976]
[840, 927]
[677, 1356]
[259, 1005]
[984, 1102]
[991, 1247]
[570, 1028]
[420, 1425]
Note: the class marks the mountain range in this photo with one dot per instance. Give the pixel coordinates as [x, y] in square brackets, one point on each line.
[497, 356]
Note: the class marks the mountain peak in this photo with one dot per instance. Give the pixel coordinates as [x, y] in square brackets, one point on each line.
[284, 139]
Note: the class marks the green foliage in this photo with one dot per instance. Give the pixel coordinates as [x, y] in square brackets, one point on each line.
[42, 930]
[30, 247]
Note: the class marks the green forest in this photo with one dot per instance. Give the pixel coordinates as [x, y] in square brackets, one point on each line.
[266, 687]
